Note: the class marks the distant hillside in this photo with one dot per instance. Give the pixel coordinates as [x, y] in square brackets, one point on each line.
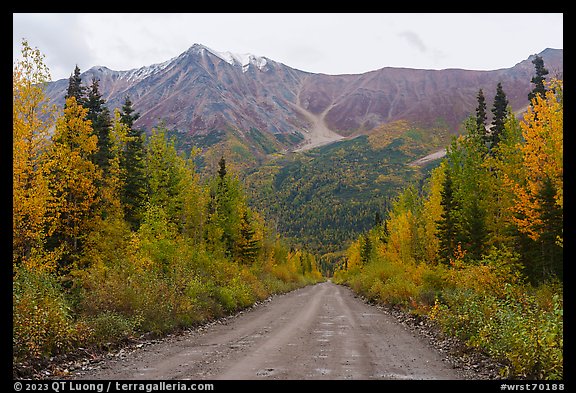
[324, 198]
[210, 97]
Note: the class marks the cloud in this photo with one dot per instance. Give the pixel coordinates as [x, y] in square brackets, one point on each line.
[58, 36]
[332, 43]
[414, 39]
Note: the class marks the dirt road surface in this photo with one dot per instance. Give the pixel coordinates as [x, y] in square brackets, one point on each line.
[317, 332]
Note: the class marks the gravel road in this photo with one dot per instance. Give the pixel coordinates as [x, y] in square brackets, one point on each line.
[317, 332]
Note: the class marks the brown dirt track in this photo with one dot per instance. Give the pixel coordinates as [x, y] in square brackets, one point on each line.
[318, 332]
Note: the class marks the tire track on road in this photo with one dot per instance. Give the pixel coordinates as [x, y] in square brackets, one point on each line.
[318, 332]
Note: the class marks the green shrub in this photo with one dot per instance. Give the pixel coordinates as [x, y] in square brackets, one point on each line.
[434, 283]
[274, 284]
[108, 327]
[226, 298]
[514, 329]
[42, 325]
[466, 312]
[399, 291]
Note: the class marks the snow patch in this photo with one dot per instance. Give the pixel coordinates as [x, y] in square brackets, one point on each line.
[146, 71]
[236, 59]
[137, 74]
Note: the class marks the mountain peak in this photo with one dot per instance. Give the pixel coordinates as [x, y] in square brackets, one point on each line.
[204, 91]
[243, 60]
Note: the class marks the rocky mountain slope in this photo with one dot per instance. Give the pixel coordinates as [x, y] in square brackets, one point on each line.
[202, 92]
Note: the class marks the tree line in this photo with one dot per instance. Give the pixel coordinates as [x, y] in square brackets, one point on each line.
[502, 185]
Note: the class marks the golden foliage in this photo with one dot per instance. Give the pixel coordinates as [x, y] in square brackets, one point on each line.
[542, 159]
[384, 135]
[72, 174]
[31, 123]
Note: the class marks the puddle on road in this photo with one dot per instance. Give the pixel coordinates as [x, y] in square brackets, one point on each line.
[143, 371]
[325, 333]
[322, 371]
[395, 376]
[266, 372]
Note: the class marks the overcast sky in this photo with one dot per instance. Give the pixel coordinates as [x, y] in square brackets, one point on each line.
[331, 43]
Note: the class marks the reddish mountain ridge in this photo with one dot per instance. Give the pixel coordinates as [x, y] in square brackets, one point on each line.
[361, 102]
[203, 91]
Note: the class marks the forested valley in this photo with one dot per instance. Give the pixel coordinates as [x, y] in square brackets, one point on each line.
[119, 233]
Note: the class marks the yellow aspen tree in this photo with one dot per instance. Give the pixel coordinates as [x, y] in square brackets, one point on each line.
[542, 154]
[109, 234]
[401, 239]
[194, 199]
[73, 178]
[32, 120]
[353, 260]
[431, 213]
[112, 182]
[504, 166]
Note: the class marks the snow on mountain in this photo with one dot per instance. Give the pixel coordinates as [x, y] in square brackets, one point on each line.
[203, 90]
[143, 72]
[242, 59]
[138, 74]
[133, 75]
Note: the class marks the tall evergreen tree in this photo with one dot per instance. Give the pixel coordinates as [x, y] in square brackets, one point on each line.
[551, 216]
[134, 193]
[447, 226]
[365, 248]
[99, 115]
[75, 88]
[247, 245]
[481, 115]
[127, 115]
[500, 112]
[538, 79]
[225, 209]
[222, 168]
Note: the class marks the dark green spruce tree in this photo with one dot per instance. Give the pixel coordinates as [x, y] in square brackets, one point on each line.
[552, 256]
[134, 193]
[247, 246]
[543, 257]
[222, 168]
[225, 207]
[99, 115]
[500, 112]
[222, 211]
[75, 88]
[447, 225]
[538, 79]
[365, 248]
[481, 115]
